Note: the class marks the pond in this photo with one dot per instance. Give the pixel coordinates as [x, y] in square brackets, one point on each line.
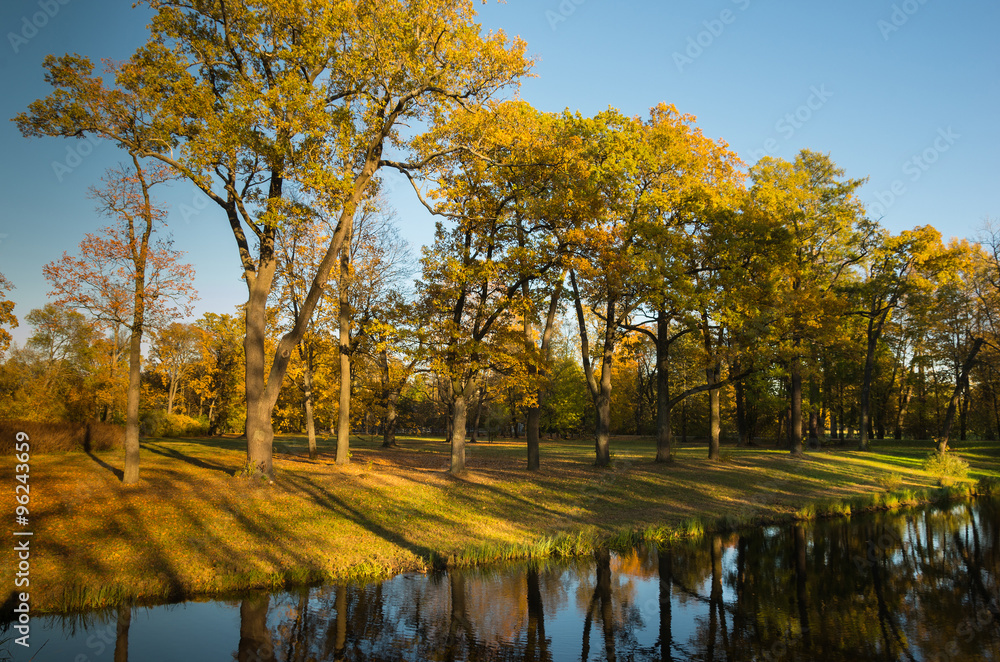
[920, 584]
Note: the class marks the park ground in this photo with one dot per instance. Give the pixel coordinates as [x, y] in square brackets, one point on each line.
[192, 528]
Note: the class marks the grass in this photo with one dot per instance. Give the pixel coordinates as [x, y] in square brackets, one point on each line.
[191, 528]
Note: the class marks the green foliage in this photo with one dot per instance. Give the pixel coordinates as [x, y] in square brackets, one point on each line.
[946, 467]
[890, 482]
[825, 508]
[159, 424]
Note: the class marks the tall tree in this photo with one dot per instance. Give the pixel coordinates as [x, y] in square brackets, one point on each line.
[819, 232]
[123, 278]
[255, 101]
[974, 290]
[896, 266]
[606, 257]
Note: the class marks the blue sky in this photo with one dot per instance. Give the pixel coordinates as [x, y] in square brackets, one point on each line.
[903, 92]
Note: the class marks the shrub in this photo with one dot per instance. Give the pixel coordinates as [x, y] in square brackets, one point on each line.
[946, 467]
[160, 424]
[62, 436]
[890, 482]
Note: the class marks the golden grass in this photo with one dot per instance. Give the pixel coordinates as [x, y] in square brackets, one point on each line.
[191, 528]
[62, 436]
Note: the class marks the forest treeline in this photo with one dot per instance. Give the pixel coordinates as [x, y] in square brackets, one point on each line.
[589, 275]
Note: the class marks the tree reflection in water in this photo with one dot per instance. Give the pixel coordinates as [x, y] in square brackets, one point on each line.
[920, 585]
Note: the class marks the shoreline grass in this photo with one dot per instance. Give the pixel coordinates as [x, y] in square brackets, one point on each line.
[191, 529]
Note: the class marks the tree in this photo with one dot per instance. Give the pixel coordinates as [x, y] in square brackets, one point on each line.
[975, 292]
[370, 271]
[396, 343]
[476, 280]
[465, 296]
[606, 254]
[222, 356]
[175, 351]
[123, 278]
[7, 317]
[896, 268]
[818, 231]
[61, 366]
[254, 103]
[681, 271]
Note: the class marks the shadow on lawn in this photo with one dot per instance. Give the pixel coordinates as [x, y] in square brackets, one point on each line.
[201, 464]
[119, 474]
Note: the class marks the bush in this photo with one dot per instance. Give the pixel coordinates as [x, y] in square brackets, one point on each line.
[62, 436]
[890, 482]
[946, 467]
[160, 424]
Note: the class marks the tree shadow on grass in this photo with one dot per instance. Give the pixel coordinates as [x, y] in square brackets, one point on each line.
[326, 499]
[119, 474]
[201, 464]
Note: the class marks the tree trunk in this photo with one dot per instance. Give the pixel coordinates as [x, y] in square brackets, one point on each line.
[664, 452]
[666, 577]
[795, 424]
[307, 400]
[963, 413]
[131, 472]
[903, 404]
[260, 433]
[458, 432]
[801, 598]
[121, 637]
[389, 428]
[813, 412]
[866, 386]
[255, 637]
[474, 432]
[963, 382]
[821, 424]
[742, 424]
[714, 418]
[536, 645]
[684, 422]
[712, 375]
[715, 596]
[602, 440]
[600, 391]
[344, 320]
[533, 417]
[171, 392]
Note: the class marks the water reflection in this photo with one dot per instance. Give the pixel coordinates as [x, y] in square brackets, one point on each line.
[916, 586]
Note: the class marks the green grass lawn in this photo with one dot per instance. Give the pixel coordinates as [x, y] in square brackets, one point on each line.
[191, 528]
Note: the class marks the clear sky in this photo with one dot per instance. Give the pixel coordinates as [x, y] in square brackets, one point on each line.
[905, 92]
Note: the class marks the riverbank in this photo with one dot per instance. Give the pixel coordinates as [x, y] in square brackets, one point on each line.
[191, 528]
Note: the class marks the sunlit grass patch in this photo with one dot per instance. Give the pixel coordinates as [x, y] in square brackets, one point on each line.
[191, 527]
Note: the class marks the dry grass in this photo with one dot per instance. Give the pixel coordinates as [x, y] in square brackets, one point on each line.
[52, 437]
[190, 527]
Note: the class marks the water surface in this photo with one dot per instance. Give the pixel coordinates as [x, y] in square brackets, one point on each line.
[914, 585]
